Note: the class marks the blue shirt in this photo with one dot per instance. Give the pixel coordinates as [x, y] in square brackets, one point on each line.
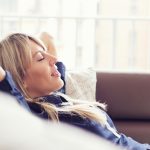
[108, 132]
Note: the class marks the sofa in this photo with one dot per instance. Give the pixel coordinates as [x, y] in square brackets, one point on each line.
[127, 96]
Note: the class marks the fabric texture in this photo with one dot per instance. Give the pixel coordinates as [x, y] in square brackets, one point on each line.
[81, 84]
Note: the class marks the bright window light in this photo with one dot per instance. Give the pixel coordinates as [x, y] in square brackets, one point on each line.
[104, 34]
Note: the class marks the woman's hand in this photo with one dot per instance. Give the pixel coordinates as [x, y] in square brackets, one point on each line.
[2, 73]
[47, 39]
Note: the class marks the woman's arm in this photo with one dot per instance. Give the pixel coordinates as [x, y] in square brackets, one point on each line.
[48, 41]
[4, 84]
[2, 74]
[7, 85]
[106, 132]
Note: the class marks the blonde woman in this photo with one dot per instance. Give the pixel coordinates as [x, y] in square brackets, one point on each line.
[31, 72]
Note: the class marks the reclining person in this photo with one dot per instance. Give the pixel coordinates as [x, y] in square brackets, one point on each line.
[31, 72]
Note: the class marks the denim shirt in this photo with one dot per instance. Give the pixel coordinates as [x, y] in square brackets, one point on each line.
[108, 131]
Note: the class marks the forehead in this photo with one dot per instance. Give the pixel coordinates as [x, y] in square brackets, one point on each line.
[35, 47]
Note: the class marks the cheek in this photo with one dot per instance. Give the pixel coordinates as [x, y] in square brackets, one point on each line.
[38, 75]
[41, 71]
[39, 83]
[43, 75]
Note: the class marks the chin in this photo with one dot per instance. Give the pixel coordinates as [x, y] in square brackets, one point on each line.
[58, 86]
[61, 85]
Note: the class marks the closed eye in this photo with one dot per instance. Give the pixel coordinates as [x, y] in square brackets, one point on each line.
[40, 56]
[41, 59]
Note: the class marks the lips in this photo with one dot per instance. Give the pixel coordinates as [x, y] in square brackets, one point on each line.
[55, 73]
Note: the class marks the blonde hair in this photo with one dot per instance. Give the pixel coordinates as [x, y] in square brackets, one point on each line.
[15, 56]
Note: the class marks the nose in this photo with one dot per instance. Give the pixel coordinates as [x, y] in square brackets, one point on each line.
[52, 60]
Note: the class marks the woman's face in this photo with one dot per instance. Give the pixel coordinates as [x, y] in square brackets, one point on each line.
[42, 77]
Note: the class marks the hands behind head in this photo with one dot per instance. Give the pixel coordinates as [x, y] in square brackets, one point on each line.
[47, 39]
[2, 73]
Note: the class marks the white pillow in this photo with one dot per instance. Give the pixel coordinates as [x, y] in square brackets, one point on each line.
[81, 84]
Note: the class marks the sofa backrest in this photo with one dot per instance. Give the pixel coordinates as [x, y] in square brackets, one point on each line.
[127, 94]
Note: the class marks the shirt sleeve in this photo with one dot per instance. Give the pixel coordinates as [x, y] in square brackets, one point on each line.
[62, 69]
[7, 85]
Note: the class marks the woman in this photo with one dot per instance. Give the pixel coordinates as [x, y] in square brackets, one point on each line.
[36, 78]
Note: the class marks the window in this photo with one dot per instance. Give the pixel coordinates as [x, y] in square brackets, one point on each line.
[105, 34]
